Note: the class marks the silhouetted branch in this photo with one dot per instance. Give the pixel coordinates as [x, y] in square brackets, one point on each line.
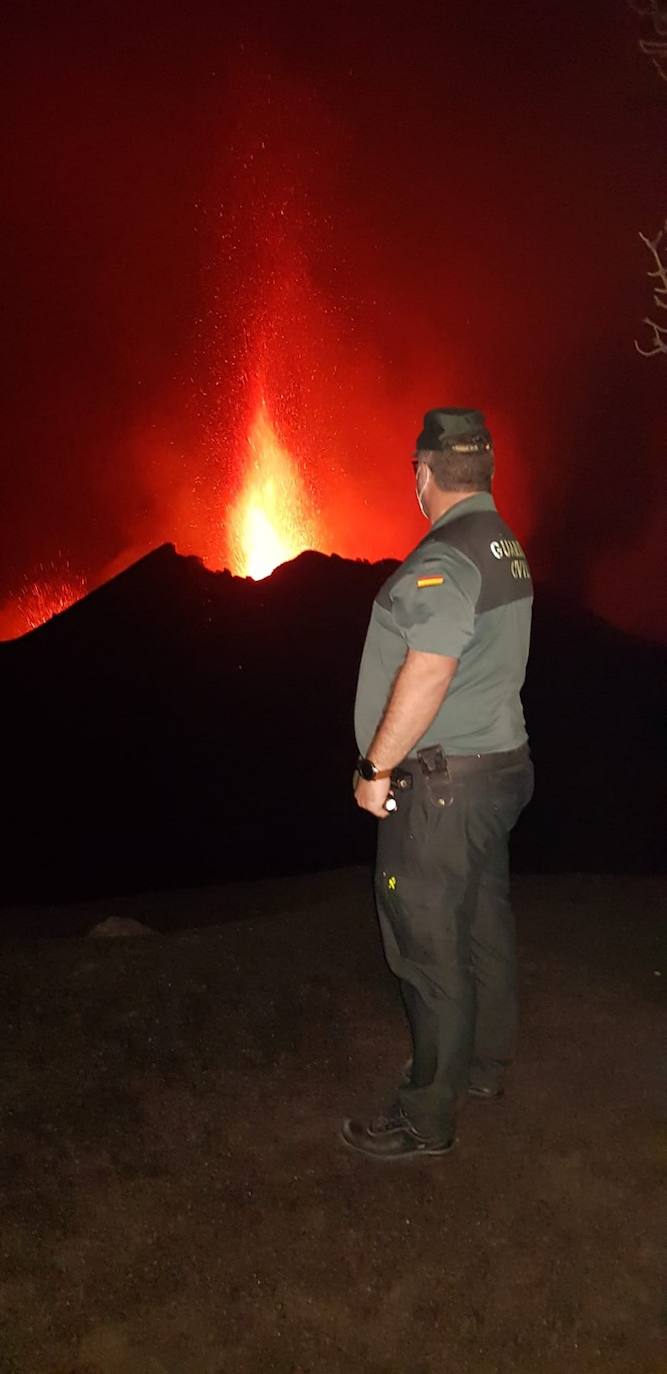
[654, 49]
[653, 10]
[659, 274]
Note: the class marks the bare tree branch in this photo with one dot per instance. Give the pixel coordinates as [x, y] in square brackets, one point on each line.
[655, 10]
[659, 339]
[657, 53]
[654, 49]
[659, 274]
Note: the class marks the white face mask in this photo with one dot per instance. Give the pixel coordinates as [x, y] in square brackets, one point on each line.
[419, 493]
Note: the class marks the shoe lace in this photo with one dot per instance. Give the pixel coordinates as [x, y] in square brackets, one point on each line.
[394, 1116]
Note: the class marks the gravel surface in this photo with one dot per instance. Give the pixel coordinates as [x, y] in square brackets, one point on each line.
[175, 1198]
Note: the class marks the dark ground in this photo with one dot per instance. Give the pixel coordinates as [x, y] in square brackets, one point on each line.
[175, 1198]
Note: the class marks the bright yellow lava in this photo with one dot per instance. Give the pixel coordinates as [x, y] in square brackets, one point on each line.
[270, 523]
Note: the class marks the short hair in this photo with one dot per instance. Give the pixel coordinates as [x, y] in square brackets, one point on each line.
[459, 469]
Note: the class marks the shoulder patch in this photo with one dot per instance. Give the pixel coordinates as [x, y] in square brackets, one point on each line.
[430, 581]
[487, 542]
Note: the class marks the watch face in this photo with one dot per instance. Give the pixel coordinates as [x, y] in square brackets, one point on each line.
[366, 769]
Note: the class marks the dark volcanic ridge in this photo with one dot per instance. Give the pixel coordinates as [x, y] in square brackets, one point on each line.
[179, 725]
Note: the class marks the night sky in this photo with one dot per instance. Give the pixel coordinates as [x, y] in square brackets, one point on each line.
[361, 214]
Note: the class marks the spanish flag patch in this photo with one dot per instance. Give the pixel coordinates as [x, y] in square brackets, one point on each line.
[430, 581]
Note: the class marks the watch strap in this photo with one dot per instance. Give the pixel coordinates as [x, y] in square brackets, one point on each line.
[378, 773]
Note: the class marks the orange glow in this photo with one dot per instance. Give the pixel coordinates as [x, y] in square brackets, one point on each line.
[271, 521]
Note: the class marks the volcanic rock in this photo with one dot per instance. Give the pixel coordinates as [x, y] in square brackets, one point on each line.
[115, 927]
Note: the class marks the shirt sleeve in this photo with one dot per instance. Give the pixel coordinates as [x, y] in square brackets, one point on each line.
[433, 603]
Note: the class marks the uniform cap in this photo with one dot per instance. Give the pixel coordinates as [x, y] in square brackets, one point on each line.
[451, 428]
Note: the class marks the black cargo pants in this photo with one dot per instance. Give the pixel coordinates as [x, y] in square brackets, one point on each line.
[442, 891]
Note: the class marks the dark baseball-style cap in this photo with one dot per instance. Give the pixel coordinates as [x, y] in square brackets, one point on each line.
[454, 429]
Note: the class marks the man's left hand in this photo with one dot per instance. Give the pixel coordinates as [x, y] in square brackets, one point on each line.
[371, 796]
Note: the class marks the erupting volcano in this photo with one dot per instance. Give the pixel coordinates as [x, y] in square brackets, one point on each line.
[271, 521]
[253, 458]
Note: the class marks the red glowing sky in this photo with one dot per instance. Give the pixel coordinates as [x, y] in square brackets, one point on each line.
[358, 218]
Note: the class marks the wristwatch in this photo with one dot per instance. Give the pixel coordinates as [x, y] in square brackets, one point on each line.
[370, 772]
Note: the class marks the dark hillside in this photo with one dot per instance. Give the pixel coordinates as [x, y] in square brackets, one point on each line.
[179, 725]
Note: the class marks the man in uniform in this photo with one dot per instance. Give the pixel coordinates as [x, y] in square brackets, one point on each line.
[444, 765]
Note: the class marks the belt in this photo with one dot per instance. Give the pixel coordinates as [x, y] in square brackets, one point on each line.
[462, 765]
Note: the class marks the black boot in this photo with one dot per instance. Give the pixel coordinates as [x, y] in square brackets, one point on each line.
[391, 1136]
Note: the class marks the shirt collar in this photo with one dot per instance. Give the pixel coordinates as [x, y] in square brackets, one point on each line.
[480, 500]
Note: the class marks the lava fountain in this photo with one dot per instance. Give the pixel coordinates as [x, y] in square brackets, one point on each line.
[272, 520]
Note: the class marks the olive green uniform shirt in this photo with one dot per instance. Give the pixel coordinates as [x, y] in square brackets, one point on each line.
[466, 592]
